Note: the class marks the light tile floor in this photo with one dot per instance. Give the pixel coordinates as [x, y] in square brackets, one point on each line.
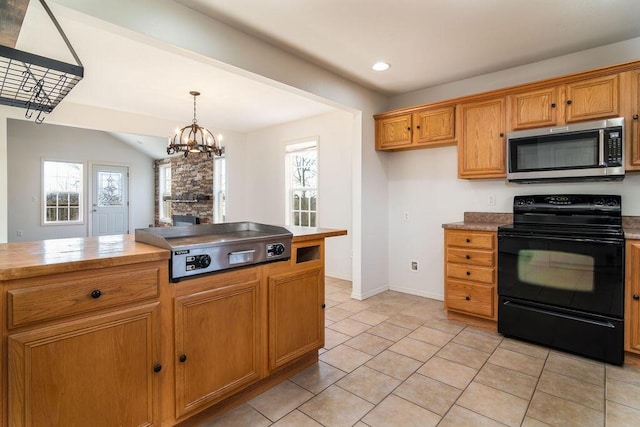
[395, 360]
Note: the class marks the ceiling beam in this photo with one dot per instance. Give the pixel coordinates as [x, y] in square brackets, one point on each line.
[12, 12]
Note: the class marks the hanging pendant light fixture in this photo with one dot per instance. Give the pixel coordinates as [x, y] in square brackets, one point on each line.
[193, 138]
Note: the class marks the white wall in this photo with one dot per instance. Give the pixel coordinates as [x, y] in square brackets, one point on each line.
[265, 165]
[424, 183]
[29, 143]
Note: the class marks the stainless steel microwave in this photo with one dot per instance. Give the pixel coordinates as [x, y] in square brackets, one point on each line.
[588, 151]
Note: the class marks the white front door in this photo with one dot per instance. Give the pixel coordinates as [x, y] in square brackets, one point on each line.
[110, 200]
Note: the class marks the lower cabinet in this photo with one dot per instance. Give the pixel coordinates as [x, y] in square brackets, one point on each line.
[217, 339]
[98, 371]
[296, 315]
[632, 296]
[470, 285]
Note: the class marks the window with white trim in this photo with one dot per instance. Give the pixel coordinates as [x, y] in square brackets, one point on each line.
[302, 183]
[220, 189]
[164, 189]
[62, 188]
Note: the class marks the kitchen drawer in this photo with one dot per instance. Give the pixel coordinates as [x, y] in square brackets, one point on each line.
[470, 256]
[470, 239]
[471, 272]
[61, 299]
[470, 298]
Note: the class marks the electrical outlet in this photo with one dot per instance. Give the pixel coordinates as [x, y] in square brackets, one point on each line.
[19, 233]
[406, 216]
[414, 265]
[491, 201]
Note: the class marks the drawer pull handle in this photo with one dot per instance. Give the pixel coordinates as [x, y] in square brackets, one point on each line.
[468, 256]
[468, 273]
[468, 240]
[183, 358]
[636, 297]
[95, 294]
[468, 298]
[157, 368]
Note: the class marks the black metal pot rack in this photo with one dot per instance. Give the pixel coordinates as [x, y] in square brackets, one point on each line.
[37, 83]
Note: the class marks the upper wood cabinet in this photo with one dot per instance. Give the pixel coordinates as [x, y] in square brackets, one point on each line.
[429, 127]
[393, 132]
[588, 99]
[633, 123]
[481, 150]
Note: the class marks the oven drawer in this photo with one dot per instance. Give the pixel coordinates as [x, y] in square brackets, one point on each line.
[470, 298]
[470, 256]
[471, 272]
[471, 239]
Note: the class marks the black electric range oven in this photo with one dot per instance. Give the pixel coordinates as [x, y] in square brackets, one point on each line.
[561, 274]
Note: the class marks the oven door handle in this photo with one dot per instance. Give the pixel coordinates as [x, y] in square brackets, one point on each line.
[602, 323]
[603, 240]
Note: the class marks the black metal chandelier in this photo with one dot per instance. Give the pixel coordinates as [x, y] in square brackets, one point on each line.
[193, 138]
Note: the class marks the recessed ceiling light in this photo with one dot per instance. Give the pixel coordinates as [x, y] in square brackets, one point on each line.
[380, 66]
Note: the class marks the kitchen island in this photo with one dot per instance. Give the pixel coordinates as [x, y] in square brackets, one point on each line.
[93, 332]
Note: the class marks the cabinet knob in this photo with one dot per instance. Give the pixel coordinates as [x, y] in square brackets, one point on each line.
[418, 127]
[468, 273]
[95, 294]
[182, 358]
[324, 306]
[636, 297]
[468, 240]
[468, 298]
[569, 102]
[501, 134]
[635, 117]
[468, 257]
[553, 105]
[157, 368]
[408, 128]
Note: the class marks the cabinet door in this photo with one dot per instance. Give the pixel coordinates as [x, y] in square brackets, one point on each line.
[393, 132]
[98, 371]
[217, 344]
[296, 315]
[633, 126]
[632, 297]
[434, 126]
[592, 99]
[534, 109]
[481, 151]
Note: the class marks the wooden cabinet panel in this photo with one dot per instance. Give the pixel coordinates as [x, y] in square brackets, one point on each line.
[434, 126]
[296, 315]
[470, 298]
[632, 296]
[470, 239]
[633, 123]
[217, 342]
[393, 132]
[538, 108]
[481, 150]
[98, 371]
[592, 99]
[470, 256]
[471, 272]
[64, 298]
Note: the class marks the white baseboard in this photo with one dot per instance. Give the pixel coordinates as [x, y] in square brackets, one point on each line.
[338, 276]
[431, 295]
[370, 293]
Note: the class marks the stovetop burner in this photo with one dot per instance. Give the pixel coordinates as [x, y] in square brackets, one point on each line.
[576, 215]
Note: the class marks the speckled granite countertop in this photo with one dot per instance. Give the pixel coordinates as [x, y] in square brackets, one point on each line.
[482, 221]
[490, 221]
[631, 226]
